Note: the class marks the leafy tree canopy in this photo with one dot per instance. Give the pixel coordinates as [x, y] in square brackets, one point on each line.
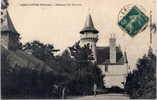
[40, 50]
[141, 83]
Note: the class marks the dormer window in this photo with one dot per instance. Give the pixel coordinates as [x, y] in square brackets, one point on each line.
[1, 13]
[106, 68]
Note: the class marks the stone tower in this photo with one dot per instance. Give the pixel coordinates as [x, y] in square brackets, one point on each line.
[9, 35]
[112, 42]
[89, 35]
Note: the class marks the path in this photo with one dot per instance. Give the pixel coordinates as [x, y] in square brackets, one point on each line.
[101, 96]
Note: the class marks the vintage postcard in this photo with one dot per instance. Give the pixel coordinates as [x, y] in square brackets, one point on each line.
[78, 49]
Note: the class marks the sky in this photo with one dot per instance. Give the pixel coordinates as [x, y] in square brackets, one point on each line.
[59, 22]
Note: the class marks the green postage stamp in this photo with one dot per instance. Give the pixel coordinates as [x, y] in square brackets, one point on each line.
[133, 21]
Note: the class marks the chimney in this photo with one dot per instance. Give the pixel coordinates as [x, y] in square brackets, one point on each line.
[112, 43]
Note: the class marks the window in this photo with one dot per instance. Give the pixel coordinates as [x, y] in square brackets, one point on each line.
[2, 20]
[106, 68]
[1, 13]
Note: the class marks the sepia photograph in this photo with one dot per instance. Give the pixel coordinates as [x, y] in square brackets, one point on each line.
[78, 49]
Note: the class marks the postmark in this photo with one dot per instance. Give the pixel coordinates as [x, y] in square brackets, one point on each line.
[132, 20]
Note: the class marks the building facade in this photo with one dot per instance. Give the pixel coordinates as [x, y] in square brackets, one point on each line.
[110, 59]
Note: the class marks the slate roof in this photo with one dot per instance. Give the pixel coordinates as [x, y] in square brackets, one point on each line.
[6, 23]
[103, 55]
[89, 26]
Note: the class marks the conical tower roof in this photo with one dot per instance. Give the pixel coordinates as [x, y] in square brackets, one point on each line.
[6, 23]
[89, 26]
[4, 4]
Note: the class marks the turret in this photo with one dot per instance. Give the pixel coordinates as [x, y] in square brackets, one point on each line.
[89, 35]
[9, 35]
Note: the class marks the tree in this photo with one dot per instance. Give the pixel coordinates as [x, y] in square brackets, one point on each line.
[82, 54]
[141, 83]
[23, 82]
[77, 74]
[86, 73]
[44, 52]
